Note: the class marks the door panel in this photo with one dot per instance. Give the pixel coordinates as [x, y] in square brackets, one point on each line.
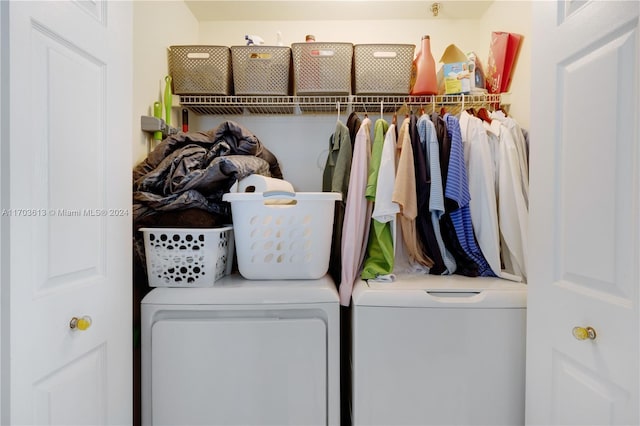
[69, 198]
[75, 394]
[72, 235]
[239, 371]
[577, 386]
[584, 214]
[95, 8]
[596, 177]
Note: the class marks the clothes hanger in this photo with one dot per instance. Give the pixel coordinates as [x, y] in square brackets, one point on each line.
[484, 115]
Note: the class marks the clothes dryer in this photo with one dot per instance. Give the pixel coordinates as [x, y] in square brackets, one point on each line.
[446, 350]
[242, 353]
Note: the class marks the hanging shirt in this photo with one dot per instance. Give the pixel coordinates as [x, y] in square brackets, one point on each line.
[384, 209]
[424, 226]
[481, 170]
[427, 132]
[512, 210]
[465, 265]
[378, 261]
[402, 262]
[404, 193]
[353, 124]
[335, 178]
[355, 229]
[521, 148]
[458, 190]
[444, 145]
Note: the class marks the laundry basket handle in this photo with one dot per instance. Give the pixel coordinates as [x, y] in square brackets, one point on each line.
[279, 197]
[279, 194]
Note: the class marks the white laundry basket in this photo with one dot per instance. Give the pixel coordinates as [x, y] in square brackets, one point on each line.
[188, 257]
[282, 235]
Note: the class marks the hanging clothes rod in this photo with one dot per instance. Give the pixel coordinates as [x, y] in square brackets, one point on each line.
[205, 104]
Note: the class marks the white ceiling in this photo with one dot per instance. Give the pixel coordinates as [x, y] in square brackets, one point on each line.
[305, 10]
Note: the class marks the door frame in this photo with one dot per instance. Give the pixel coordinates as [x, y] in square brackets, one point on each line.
[4, 220]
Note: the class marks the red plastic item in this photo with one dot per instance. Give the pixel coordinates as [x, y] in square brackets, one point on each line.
[503, 53]
[185, 120]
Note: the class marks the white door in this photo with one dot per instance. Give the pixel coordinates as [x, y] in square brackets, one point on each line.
[584, 214]
[68, 204]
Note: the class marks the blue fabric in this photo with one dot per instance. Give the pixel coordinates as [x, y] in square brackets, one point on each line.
[429, 139]
[457, 189]
[424, 226]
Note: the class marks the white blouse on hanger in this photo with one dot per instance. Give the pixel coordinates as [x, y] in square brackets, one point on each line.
[481, 169]
[512, 207]
[385, 209]
[521, 147]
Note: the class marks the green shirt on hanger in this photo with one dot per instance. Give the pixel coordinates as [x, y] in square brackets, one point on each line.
[379, 258]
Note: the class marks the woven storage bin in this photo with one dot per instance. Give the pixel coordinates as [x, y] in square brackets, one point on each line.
[276, 240]
[261, 70]
[322, 68]
[382, 68]
[188, 257]
[200, 70]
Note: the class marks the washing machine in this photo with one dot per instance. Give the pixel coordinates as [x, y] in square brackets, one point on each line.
[446, 350]
[242, 352]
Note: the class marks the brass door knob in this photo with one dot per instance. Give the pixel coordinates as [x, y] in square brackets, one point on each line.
[584, 333]
[80, 323]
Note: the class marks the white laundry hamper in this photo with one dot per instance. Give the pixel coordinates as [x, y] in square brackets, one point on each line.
[282, 235]
[188, 257]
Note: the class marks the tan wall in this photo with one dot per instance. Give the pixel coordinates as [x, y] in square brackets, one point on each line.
[442, 32]
[157, 25]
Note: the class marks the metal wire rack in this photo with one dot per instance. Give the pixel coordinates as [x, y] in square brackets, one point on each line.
[240, 105]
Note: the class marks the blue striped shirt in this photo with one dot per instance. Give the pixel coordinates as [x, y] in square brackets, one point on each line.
[457, 189]
[428, 137]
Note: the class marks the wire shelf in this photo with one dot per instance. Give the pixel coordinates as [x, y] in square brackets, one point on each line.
[240, 105]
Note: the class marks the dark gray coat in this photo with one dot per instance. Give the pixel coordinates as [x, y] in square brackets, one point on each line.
[194, 169]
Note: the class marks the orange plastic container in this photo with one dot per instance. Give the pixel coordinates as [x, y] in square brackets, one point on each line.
[424, 71]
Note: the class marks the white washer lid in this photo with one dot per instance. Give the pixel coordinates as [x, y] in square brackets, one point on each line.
[451, 291]
[236, 290]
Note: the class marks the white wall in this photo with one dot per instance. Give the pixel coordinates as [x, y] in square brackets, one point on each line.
[157, 25]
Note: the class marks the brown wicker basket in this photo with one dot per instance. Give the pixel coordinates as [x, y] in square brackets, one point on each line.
[382, 69]
[322, 68]
[261, 70]
[200, 70]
